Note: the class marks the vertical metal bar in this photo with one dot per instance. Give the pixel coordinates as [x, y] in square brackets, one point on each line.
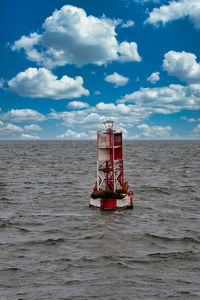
[106, 176]
[97, 175]
[113, 166]
[97, 162]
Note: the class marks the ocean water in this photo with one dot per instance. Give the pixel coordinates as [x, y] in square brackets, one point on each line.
[53, 246]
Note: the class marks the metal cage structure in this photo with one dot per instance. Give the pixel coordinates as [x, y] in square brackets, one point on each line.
[110, 170]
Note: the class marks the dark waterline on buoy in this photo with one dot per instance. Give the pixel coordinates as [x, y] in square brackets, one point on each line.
[53, 246]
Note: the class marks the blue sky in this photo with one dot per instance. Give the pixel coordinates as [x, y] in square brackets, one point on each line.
[67, 66]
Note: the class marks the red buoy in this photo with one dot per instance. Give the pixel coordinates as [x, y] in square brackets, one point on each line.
[110, 191]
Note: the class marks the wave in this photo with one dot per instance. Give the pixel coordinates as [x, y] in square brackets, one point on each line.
[48, 242]
[160, 190]
[5, 224]
[10, 269]
[171, 239]
[189, 255]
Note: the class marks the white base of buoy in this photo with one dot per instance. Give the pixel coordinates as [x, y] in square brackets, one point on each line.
[109, 203]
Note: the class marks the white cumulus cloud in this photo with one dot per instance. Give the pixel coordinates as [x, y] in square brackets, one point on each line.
[196, 131]
[190, 120]
[154, 131]
[117, 79]
[1, 83]
[128, 52]
[42, 83]
[91, 118]
[29, 136]
[9, 129]
[32, 127]
[154, 77]
[21, 115]
[70, 134]
[182, 65]
[77, 105]
[120, 108]
[172, 98]
[128, 24]
[69, 36]
[176, 10]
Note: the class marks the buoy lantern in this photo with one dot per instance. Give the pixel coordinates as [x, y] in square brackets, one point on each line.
[110, 191]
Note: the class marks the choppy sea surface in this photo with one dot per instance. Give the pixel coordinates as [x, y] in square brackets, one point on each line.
[53, 246]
